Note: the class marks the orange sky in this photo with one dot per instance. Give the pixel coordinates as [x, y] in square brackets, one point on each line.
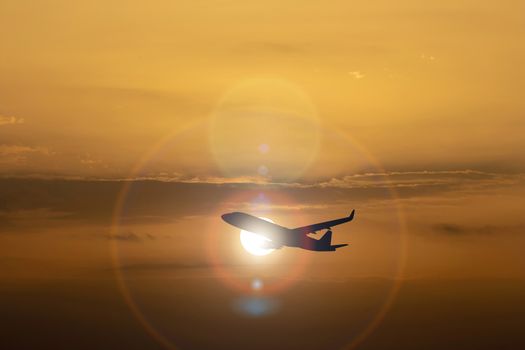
[87, 89]
[296, 93]
[410, 112]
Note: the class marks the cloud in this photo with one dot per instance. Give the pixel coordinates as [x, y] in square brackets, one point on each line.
[34, 214]
[424, 178]
[451, 229]
[392, 179]
[217, 180]
[262, 206]
[29, 219]
[8, 150]
[427, 57]
[9, 120]
[399, 180]
[130, 236]
[204, 264]
[407, 180]
[89, 161]
[15, 154]
[166, 198]
[165, 266]
[357, 74]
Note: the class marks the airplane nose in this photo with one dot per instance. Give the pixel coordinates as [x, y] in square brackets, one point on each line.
[225, 217]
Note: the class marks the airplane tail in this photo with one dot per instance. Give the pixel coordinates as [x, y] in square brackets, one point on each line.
[326, 242]
[326, 239]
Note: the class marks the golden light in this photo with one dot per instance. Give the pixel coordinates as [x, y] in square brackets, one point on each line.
[250, 128]
[254, 243]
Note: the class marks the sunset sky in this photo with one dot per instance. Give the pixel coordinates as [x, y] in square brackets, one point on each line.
[128, 127]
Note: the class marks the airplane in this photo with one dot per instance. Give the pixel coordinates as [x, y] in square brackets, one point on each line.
[278, 236]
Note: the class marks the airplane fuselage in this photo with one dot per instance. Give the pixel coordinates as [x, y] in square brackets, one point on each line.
[279, 236]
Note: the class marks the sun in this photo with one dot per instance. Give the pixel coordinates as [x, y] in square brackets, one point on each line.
[253, 243]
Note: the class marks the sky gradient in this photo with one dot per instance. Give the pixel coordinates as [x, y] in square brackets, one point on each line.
[128, 127]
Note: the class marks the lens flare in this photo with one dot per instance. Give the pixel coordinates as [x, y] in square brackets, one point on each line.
[264, 127]
[254, 243]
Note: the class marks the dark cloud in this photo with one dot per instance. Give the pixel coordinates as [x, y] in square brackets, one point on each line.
[130, 236]
[448, 179]
[461, 230]
[93, 202]
[166, 200]
[165, 266]
[29, 220]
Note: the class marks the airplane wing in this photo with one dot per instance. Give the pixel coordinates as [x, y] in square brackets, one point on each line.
[323, 225]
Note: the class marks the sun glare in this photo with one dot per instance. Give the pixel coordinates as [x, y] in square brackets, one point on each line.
[253, 243]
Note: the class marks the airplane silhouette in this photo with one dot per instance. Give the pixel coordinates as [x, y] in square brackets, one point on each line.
[279, 236]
